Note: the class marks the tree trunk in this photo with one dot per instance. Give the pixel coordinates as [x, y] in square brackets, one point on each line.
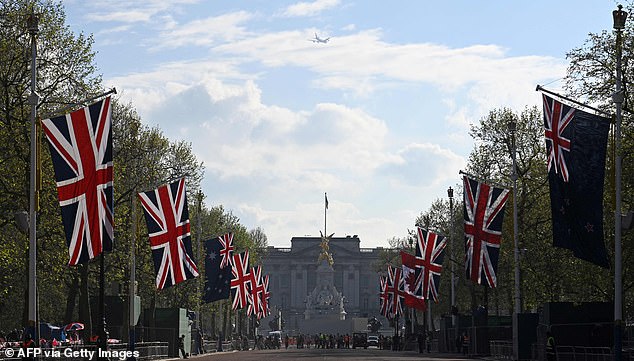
[212, 327]
[152, 322]
[73, 289]
[84, 303]
[227, 329]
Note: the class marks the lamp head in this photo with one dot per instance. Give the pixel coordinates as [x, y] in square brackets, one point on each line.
[512, 126]
[619, 16]
[32, 22]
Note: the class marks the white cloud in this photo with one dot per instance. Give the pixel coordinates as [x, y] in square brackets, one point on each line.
[131, 16]
[131, 11]
[309, 8]
[205, 32]
[264, 160]
[349, 27]
[116, 29]
[360, 61]
[423, 165]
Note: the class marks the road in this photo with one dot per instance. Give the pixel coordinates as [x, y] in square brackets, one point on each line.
[325, 355]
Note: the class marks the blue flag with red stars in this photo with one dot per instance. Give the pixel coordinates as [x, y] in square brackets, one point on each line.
[576, 144]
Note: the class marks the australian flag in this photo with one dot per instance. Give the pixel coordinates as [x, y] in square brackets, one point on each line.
[576, 146]
[217, 279]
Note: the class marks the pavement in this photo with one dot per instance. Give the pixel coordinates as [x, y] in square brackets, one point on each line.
[326, 354]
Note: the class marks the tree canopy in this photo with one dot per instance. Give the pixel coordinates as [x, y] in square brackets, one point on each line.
[144, 158]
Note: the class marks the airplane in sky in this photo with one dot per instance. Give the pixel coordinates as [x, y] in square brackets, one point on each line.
[317, 39]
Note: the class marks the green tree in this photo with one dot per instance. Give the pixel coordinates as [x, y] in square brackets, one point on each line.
[143, 159]
[65, 74]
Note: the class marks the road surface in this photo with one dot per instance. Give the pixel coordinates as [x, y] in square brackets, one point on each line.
[325, 355]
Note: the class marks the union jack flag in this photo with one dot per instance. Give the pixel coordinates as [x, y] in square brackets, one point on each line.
[266, 295]
[429, 257]
[254, 299]
[167, 220]
[227, 249]
[384, 297]
[395, 288]
[241, 281]
[483, 216]
[556, 120]
[81, 150]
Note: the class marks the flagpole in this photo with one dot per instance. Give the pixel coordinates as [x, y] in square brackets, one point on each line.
[619, 17]
[70, 107]
[325, 210]
[198, 238]
[512, 127]
[33, 99]
[451, 257]
[483, 180]
[132, 286]
[563, 97]
[103, 330]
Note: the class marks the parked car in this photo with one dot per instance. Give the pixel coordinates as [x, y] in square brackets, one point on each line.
[359, 339]
[373, 340]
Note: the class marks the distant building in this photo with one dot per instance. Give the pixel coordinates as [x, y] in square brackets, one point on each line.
[293, 276]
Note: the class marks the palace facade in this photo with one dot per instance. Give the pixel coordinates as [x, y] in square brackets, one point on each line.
[293, 274]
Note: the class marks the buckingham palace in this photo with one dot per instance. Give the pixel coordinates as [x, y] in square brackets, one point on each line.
[307, 291]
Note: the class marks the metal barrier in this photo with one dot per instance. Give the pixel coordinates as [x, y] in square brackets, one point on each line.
[480, 338]
[147, 350]
[580, 353]
[501, 350]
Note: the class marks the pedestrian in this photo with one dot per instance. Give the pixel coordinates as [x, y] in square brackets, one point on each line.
[396, 343]
[465, 343]
[181, 346]
[430, 335]
[201, 343]
[219, 344]
[551, 347]
[421, 342]
[286, 342]
[28, 343]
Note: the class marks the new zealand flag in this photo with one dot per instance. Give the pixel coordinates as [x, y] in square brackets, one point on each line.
[576, 146]
[217, 279]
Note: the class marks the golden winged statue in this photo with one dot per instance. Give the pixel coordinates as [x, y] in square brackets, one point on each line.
[325, 249]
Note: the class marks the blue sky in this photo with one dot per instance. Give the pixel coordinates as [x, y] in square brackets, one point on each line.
[378, 117]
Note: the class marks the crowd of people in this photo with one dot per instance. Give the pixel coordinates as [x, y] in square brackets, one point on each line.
[18, 338]
[319, 341]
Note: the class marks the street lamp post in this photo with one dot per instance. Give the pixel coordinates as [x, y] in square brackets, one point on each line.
[32, 24]
[200, 258]
[132, 285]
[512, 127]
[619, 16]
[451, 258]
